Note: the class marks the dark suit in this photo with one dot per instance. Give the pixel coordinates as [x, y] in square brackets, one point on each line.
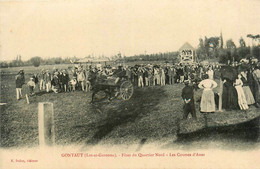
[187, 93]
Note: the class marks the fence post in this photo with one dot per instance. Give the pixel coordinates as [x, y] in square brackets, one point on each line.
[46, 124]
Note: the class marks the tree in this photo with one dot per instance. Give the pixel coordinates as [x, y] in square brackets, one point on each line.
[201, 51]
[213, 46]
[223, 56]
[230, 44]
[221, 41]
[242, 51]
[254, 37]
[256, 52]
[231, 49]
[242, 42]
[36, 61]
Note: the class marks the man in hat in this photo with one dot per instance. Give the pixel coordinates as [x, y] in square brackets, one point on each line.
[55, 82]
[188, 98]
[41, 80]
[47, 79]
[64, 80]
[19, 81]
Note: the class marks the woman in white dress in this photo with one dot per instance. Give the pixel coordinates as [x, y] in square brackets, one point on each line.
[240, 94]
[207, 104]
[210, 73]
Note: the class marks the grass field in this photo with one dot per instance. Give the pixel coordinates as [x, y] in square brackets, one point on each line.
[151, 115]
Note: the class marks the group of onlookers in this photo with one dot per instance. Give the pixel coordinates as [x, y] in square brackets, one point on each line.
[241, 88]
[152, 75]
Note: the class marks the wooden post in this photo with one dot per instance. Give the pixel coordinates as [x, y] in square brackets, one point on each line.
[46, 124]
[220, 95]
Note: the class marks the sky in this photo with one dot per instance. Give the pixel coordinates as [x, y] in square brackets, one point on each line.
[81, 28]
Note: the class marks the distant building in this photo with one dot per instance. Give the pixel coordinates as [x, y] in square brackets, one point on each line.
[187, 54]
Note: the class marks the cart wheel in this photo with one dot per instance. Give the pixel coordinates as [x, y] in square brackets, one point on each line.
[126, 90]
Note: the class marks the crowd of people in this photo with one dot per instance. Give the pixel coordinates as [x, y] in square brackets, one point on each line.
[240, 81]
[241, 89]
[79, 77]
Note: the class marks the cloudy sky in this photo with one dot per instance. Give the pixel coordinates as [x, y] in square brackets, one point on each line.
[66, 28]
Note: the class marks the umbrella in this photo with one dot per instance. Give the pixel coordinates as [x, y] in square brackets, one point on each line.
[243, 67]
[228, 72]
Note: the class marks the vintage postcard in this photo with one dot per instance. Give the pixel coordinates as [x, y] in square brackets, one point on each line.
[129, 84]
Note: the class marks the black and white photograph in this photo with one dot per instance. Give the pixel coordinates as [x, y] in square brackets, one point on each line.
[129, 84]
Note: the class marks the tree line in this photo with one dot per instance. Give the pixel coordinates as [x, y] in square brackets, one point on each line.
[208, 48]
[37, 61]
[213, 48]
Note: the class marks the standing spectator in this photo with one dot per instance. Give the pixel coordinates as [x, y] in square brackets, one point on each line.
[256, 76]
[150, 76]
[35, 78]
[240, 94]
[156, 77]
[128, 73]
[210, 73]
[171, 75]
[47, 79]
[188, 98]
[81, 78]
[19, 81]
[41, 80]
[166, 69]
[140, 77]
[73, 83]
[229, 96]
[64, 81]
[88, 78]
[55, 83]
[248, 93]
[207, 104]
[146, 76]
[181, 74]
[162, 75]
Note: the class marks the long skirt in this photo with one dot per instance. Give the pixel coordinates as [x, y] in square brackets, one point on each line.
[229, 98]
[249, 96]
[207, 103]
[241, 98]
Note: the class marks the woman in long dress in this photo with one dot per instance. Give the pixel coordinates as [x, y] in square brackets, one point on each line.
[248, 93]
[207, 104]
[256, 81]
[240, 94]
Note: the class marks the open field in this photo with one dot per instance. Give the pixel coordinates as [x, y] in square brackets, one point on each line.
[151, 115]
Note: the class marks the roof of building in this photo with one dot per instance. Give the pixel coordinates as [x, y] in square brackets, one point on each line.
[186, 46]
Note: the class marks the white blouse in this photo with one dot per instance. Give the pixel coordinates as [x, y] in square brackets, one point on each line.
[207, 84]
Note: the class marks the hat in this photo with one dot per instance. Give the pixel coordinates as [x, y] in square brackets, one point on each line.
[186, 81]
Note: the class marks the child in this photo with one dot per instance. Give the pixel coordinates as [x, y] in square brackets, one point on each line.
[30, 91]
[73, 83]
[188, 97]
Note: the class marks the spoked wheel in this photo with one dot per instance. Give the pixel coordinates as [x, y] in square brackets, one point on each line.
[126, 90]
